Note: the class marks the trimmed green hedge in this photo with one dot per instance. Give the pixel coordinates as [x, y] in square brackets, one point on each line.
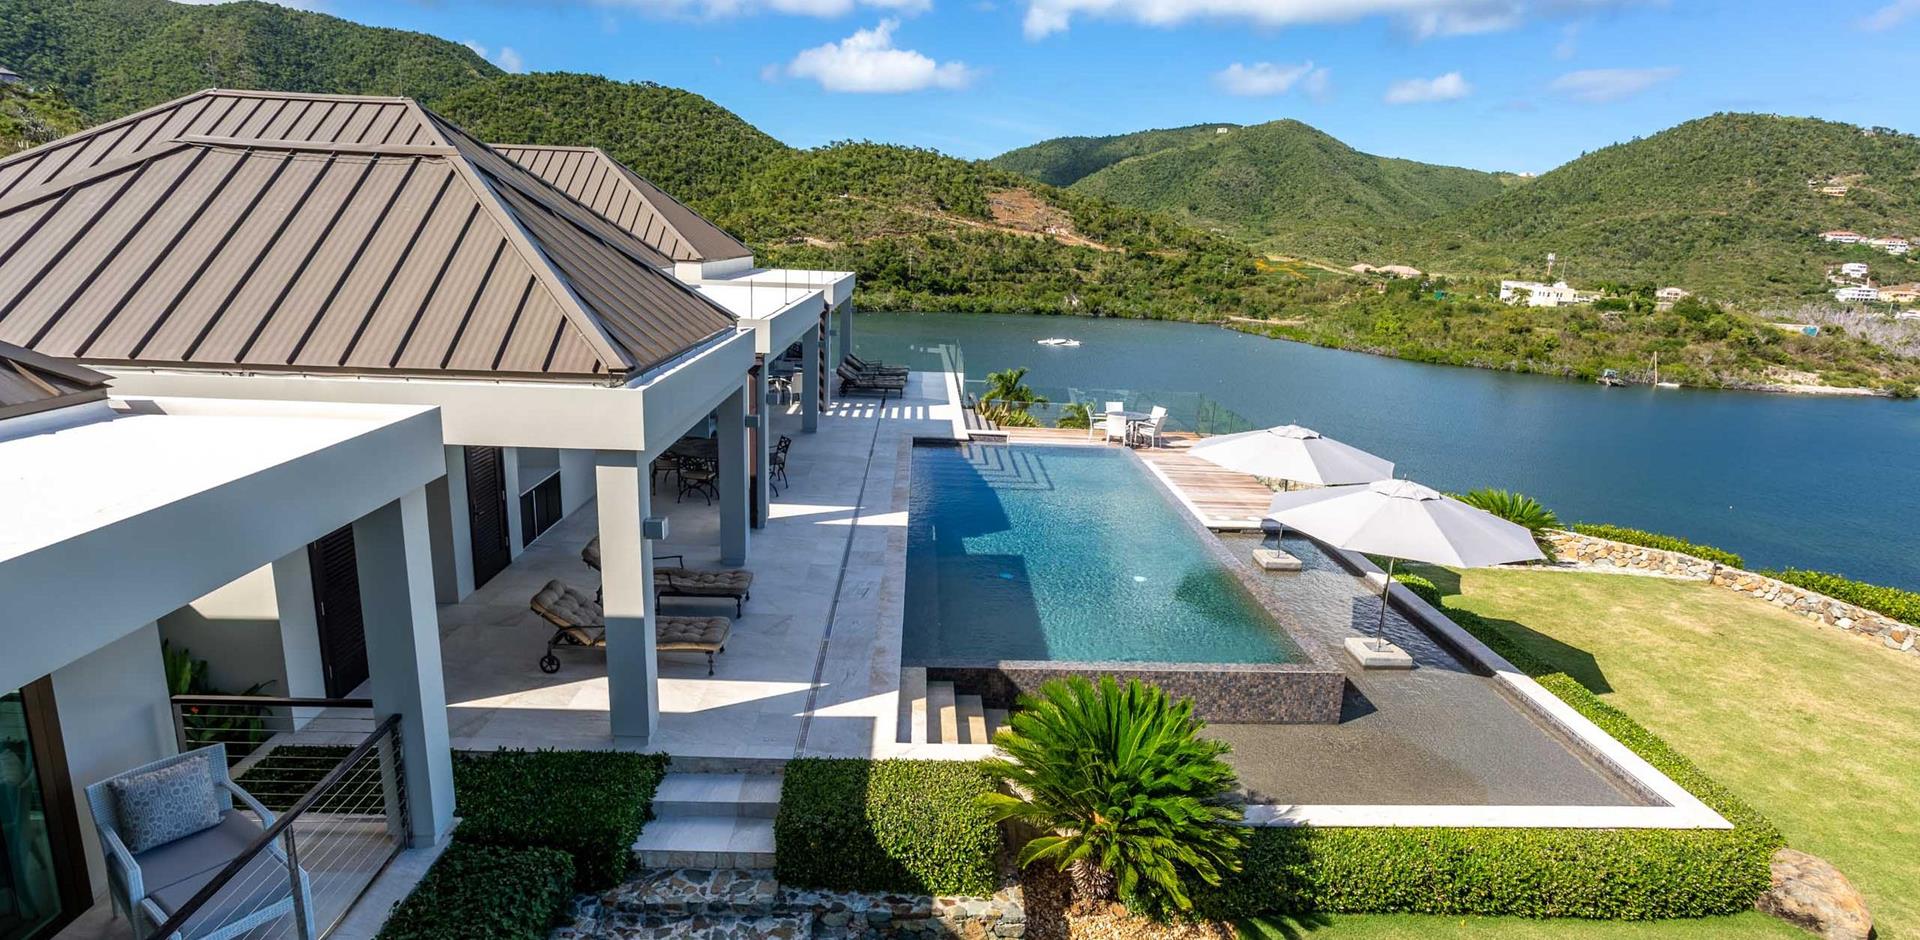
[910, 826]
[1903, 606]
[1606, 874]
[588, 804]
[1421, 587]
[484, 892]
[1665, 543]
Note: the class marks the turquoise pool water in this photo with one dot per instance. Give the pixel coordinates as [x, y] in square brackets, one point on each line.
[1066, 554]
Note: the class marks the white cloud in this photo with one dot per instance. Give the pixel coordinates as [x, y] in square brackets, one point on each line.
[1446, 87]
[507, 57]
[1891, 15]
[1265, 78]
[1569, 41]
[1599, 86]
[868, 62]
[1424, 18]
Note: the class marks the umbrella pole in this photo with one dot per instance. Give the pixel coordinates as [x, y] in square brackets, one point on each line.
[1380, 627]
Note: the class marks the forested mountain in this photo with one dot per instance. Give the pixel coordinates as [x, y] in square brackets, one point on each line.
[31, 118]
[1063, 161]
[111, 57]
[1282, 185]
[1728, 205]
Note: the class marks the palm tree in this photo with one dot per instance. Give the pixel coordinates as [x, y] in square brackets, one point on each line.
[1517, 508]
[1132, 800]
[1075, 414]
[1007, 399]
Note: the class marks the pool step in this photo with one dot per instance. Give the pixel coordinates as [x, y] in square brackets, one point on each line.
[942, 715]
[710, 820]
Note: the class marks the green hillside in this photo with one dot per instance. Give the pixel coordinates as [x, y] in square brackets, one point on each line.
[1721, 205]
[31, 118]
[1063, 161]
[1283, 185]
[111, 57]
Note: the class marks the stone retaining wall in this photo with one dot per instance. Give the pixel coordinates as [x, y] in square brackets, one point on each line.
[1586, 551]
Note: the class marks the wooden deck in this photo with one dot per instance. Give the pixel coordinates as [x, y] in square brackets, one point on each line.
[1221, 498]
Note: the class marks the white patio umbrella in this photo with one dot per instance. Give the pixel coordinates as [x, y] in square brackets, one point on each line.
[1291, 452]
[1402, 519]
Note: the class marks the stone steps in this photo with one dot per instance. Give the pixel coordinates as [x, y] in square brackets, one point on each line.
[939, 714]
[729, 904]
[701, 927]
[711, 820]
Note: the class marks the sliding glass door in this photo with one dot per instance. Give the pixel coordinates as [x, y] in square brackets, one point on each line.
[32, 902]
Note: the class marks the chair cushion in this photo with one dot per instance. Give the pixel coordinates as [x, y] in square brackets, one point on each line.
[591, 553]
[691, 634]
[159, 806]
[260, 886]
[705, 582]
[567, 607]
[204, 852]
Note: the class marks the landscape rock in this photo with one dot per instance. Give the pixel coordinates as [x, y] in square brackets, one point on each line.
[1809, 892]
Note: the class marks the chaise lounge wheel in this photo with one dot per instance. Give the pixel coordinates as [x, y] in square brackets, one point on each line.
[549, 663]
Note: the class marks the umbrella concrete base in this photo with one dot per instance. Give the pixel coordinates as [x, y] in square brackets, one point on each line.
[1273, 559]
[1377, 654]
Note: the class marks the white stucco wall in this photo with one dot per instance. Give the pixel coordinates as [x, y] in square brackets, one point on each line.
[576, 480]
[113, 715]
[236, 629]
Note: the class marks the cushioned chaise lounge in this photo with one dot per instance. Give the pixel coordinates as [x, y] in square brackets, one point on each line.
[851, 381]
[874, 368]
[578, 620]
[680, 581]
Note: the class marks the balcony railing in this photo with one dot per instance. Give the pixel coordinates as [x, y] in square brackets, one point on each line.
[331, 773]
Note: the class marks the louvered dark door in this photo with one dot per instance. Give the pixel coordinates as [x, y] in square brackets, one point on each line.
[487, 512]
[336, 597]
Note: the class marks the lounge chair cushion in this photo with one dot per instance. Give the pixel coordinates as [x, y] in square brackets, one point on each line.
[703, 583]
[162, 805]
[567, 607]
[691, 634]
[261, 884]
[204, 852]
[591, 553]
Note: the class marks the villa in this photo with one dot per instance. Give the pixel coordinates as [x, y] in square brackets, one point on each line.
[1536, 294]
[439, 446]
[1841, 236]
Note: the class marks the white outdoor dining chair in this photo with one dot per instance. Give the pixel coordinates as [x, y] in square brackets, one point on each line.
[1116, 425]
[1148, 431]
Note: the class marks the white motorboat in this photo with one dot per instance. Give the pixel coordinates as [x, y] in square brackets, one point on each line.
[1059, 341]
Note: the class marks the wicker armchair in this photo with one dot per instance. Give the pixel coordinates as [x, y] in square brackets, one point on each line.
[153, 885]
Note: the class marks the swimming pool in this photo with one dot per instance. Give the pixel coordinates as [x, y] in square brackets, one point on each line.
[1067, 553]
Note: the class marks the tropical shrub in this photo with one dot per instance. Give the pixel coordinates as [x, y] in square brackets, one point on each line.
[588, 804]
[1903, 606]
[910, 826]
[1122, 787]
[1075, 414]
[485, 892]
[1665, 543]
[1518, 508]
[1615, 874]
[1421, 587]
[1008, 400]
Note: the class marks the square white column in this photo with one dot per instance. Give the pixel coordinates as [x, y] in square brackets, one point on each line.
[734, 471]
[761, 443]
[626, 580]
[403, 654]
[812, 383]
[450, 516]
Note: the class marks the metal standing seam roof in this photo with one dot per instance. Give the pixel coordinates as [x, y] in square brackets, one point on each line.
[590, 175]
[334, 249]
[31, 382]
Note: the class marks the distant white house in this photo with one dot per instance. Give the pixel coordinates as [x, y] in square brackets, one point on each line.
[1893, 244]
[1841, 236]
[1536, 294]
[1671, 294]
[1853, 269]
[1857, 294]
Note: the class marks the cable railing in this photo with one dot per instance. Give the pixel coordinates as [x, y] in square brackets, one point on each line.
[1187, 412]
[330, 784]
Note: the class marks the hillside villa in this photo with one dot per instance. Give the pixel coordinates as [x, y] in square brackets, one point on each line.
[399, 431]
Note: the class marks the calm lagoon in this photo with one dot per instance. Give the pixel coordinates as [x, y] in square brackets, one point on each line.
[1828, 483]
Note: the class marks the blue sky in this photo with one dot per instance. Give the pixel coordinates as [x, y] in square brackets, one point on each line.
[1518, 85]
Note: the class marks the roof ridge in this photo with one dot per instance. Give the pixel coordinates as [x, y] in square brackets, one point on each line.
[59, 184]
[578, 312]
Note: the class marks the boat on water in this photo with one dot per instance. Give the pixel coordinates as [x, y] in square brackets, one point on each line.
[1059, 341]
[1656, 375]
[1611, 378]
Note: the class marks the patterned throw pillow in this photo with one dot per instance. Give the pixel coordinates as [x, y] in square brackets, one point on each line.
[162, 805]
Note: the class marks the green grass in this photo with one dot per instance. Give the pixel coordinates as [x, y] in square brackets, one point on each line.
[1818, 730]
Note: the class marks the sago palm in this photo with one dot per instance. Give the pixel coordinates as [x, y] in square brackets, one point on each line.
[1127, 794]
[1517, 508]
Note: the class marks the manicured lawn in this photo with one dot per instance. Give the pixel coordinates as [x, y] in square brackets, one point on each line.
[1818, 729]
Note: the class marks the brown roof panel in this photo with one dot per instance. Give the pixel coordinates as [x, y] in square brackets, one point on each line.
[31, 382]
[609, 188]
